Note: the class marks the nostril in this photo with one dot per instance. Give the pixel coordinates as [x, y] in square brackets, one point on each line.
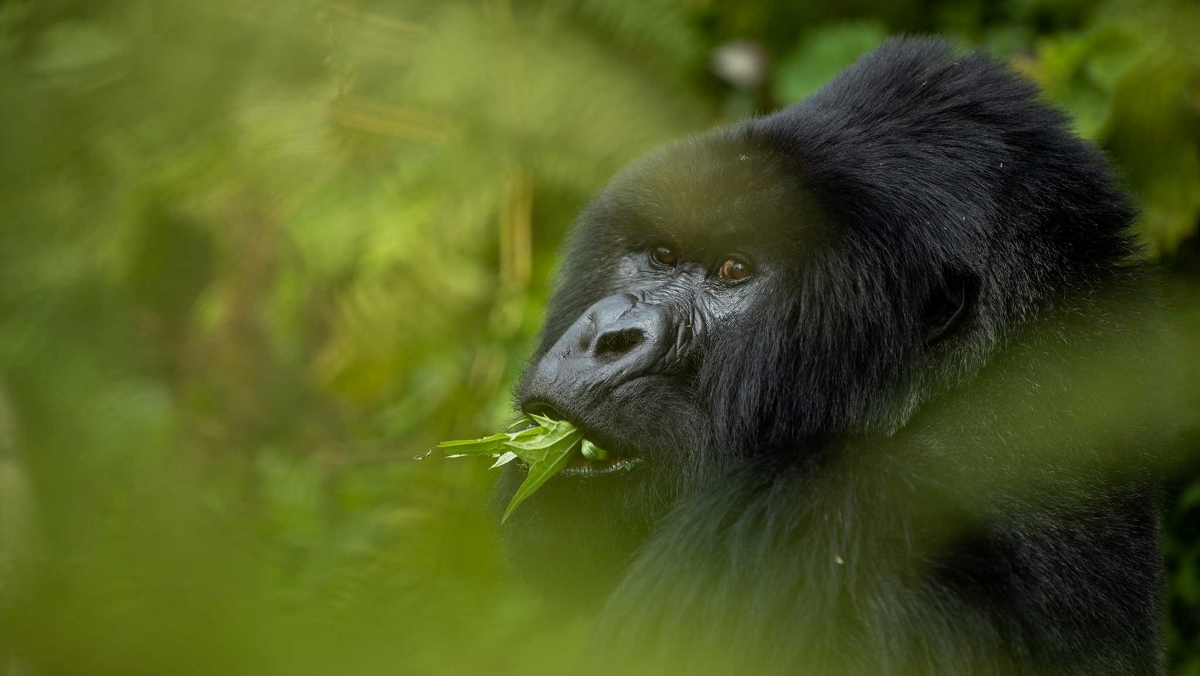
[615, 344]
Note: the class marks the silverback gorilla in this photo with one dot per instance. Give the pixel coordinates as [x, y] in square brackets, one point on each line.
[871, 373]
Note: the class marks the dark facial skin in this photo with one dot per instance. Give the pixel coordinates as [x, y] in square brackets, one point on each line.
[634, 355]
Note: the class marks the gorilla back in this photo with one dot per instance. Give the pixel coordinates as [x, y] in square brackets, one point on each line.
[878, 378]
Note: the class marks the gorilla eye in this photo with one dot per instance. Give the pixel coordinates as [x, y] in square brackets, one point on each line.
[662, 254]
[733, 270]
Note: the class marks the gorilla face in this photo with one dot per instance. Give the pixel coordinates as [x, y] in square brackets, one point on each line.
[675, 263]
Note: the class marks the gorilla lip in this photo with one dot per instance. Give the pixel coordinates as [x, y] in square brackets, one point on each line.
[582, 467]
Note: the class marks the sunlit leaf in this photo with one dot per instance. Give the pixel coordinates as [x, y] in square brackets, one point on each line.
[554, 459]
[504, 460]
[545, 447]
[592, 451]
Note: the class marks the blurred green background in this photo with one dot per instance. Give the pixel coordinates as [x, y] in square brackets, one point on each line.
[258, 255]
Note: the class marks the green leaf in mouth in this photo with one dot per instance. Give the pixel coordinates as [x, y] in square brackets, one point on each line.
[545, 445]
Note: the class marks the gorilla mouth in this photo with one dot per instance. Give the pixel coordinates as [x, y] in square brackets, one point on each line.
[578, 465]
[581, 466]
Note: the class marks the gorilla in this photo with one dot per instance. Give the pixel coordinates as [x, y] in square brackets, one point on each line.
[877, 378]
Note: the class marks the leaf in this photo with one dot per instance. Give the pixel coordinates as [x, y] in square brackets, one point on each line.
[483, 441]
[540, 472]
[537, 448]
[546, 447]
[530, 432]
[486, 446]
[521, 421]
[504, 460]
[592, 451]
[492, 445]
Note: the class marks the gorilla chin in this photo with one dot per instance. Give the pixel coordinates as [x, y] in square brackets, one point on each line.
[881, 382]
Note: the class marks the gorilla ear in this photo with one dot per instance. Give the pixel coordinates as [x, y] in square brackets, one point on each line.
[949, 305]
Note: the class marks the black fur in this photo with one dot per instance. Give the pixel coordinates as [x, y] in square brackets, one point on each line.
[917, 440]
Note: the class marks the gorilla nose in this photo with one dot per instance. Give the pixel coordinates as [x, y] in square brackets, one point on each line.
[614, 341]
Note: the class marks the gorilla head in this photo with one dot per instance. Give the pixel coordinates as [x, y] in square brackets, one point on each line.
[771, 294]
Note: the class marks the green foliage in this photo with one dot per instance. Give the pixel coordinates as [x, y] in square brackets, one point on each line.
[1129, 81]
[544, 445]
[256, 256]
[824, 55]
